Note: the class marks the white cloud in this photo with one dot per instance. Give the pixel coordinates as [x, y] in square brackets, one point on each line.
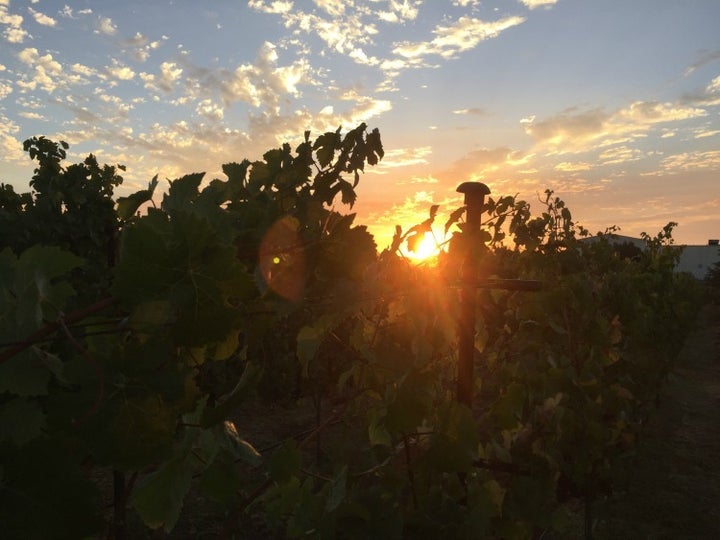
[692, 161]
[41, 18]
[652, 112]
[121, 72]
[141, 46]
[10, 146]
[69, 13]
[81, 69]
[5, 89]
[210, 110]
[575, 130]
[403, 157]
[169, 74]
[334, 8]
[471, 111]
[265, 84]
[464, 34]
[14, 32]
[274, 7]
[532, 4]
[714, 86]
[106, 26]
[399, 12]
[48, 73]
[620, 154]
[31, 115]
[577, 166]
[344, 27]
[703, 133]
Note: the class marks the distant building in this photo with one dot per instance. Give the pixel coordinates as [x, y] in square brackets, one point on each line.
[696, 260]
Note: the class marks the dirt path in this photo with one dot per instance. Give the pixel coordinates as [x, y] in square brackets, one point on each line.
[675, 491]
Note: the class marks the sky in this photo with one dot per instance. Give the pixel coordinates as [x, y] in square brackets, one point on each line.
[613, 104]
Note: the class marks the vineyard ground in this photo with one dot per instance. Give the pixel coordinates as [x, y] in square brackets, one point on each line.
[675, 490]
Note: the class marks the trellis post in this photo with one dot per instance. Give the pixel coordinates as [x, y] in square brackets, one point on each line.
[474, 201]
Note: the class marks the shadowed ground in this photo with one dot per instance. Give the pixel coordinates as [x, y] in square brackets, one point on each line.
[675, 490]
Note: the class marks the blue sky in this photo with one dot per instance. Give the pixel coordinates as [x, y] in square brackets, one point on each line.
[613, 104]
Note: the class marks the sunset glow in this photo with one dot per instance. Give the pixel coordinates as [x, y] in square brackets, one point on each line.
[425, 249]
[614, 105]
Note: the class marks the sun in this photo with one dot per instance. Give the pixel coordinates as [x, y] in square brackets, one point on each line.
[425, 248]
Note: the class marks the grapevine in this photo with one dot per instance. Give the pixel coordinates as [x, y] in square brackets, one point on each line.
[139, 332]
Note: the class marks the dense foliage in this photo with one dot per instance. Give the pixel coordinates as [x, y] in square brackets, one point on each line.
[135, 337]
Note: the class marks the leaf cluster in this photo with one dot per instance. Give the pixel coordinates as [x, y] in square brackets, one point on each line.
[229, 293]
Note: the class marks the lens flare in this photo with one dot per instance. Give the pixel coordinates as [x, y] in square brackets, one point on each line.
[282, 259]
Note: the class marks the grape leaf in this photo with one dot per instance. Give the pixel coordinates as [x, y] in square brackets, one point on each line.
[21, 420]
[159, 497]
[128, 206]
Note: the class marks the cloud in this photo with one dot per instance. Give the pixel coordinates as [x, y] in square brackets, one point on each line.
[532, 4]
[121, 72]
[346, 28]
[714, 86]
[84, 70]
[140, 46]
[41, 18]
[472, 111]
[106, 26]
[169, 74]
[14, 32]
[399, 12]
[5, 90]
[428, 179]
[485, 160]
[404, 157]
[277, 7]
[705, 57]
[702, 133]
[83, 115]
[68, 12]
[10, 146]
[334, 8]
[265, 84]
[271, 127]
[31, 115]
[575, 130]
[567, 166]
[653, 112]
[464, 34]
[688, 161]
[210, 110]
[709, 96]
[620, 154]
[47, 71]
